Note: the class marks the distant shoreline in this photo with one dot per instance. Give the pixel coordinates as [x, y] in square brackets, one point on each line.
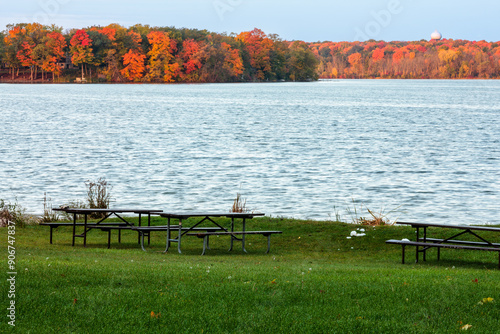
[45, 82]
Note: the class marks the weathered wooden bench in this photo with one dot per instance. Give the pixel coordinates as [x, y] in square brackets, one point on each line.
[54, 225]
[436, 243]
[206, 236]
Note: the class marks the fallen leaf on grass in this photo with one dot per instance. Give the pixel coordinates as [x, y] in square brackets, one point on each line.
[465, 327]
[486, 300]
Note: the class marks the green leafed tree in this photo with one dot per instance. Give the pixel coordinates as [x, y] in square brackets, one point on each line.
[301, 62]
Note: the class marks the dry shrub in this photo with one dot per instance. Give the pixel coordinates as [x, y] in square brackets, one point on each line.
[5, 217]
[98, 195]
[239, 205]
[376, 219]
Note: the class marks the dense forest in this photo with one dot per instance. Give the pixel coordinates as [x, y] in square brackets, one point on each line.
[142, 53]
[435, 59]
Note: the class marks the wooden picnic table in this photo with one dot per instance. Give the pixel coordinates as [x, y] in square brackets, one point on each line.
[423, 243]
[207, 217]
[101, 223]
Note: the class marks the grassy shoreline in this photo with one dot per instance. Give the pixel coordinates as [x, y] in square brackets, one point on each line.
[315, 280]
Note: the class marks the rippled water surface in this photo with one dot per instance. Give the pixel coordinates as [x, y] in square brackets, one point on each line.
[429, 149]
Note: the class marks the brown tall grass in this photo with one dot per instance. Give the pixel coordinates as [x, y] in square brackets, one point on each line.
[239, 205]
[98, 195]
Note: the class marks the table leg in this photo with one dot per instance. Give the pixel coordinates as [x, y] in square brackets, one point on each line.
[138, 236]
[141, 235]
[74, 229]
[268, 243]
[168, 236]
[417, 247]
[85, 232]
[243, 237]
[425, 240]
[232, 237]
[205, 242]
[149, 224]
[179, 237]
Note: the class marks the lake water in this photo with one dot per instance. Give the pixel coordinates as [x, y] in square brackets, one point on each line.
[430, 150]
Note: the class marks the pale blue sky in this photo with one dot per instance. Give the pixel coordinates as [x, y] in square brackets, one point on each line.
[315, 20]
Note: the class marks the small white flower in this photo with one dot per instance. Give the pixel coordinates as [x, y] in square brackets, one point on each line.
[46, 258]
[49, 264]
[353, 233]
[208, 271]
[348, 237]
[362, 230]
[352, 247]
[26, 269]
[229, 277]
[310, 269]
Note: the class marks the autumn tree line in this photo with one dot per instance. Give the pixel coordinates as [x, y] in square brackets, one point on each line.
[142, 53]
[435, 59]
[145, 54]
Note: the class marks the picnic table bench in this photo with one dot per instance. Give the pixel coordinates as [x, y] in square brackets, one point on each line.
[146, 231]
[422, 244]
[206, 236]
[101, 226]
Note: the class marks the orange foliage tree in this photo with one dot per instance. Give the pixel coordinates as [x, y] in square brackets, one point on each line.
[160, 65]
[134, 65]
[259, 48]
[81, 49]
[54, 44]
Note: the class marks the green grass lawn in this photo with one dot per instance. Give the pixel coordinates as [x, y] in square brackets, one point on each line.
[314, 280]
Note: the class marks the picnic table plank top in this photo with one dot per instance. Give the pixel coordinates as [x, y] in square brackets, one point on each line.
[463, 227]
[110, 210]
[185, 215]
